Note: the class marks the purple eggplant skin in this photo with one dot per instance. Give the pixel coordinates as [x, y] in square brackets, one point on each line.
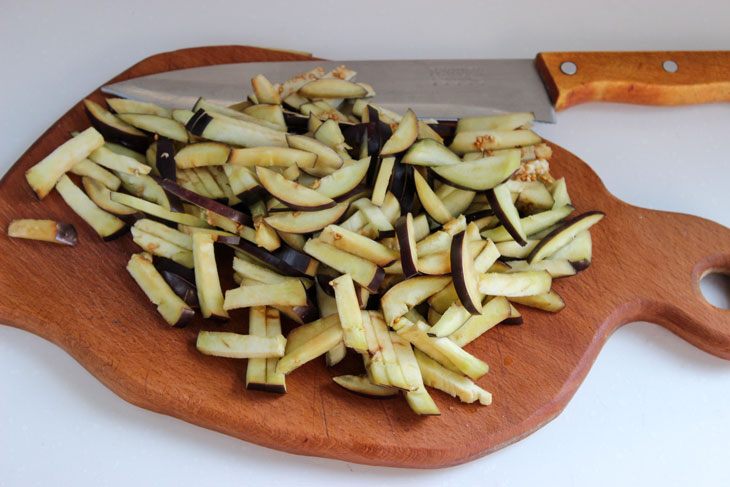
[408, 195]
[324, 282]
[308, 312]
[185, 317]
[360, 189]
[446, 130]
[376, 281]
[271, 388]
[163, 264]
[165, 159]
[580, 265]
[137, 143]
[165, 162]
[561, 228]
[295, 124]
[492, 199]
[117, 234]
[458, 246]
[459, 186]
[470, 217]
[295, 259]
[197, 123]
[403, 233]
[270, 259]
[512, 320]
[183, 288]
[205, 203]
[66, 234]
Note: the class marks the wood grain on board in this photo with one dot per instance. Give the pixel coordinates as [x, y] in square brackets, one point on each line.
[646, 266]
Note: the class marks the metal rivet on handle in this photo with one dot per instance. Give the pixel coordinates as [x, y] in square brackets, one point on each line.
[569, 68]
[670, 66]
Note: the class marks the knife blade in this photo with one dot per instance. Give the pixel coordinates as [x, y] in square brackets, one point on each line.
[449, 89]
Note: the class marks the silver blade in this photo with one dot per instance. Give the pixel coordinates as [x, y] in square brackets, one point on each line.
[442, 89]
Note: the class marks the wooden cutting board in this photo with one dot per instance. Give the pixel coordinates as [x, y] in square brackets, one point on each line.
[647, 266]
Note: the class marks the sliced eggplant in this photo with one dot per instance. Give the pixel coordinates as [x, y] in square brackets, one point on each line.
[44, 175]
[507, 121]
[292, 194]
[202, 154]
[559, 192]
[409, 293]
[456, 385]
[311, 349]
[213, 108]
[465, 277]
[173, 309]
[375, 216]
[185, 289]
[124, 105]
[501, 202]
[518, 284]
[578, 251]
[332, 88]
[287, 293]
[443, 350]
[223, 128]
[357, 244]
[275, 381]
[256, 367]
[512, 250]
[327, 160]
[482, 140]
[89, 168]
[272, 156]
[360, 384]
[114, 129]
[205, 203]
[455, 316]
[348, 309]
[481, 174]
[407, 243]
[494, 312]
[382, 180]
[533, 196]
[101, 196]
[362, 271]
[514, 318]
[549, 301]
[431, 203]
[562, 235]
[530, 224]
[265, 91]
[403, 137]
[105, 224]
[210, 295]
[305, 221]
[272, 114]
[163, 126]
[386, 349]
[44, 230]
[343, 180]
[429, 152]
[556, 268]
[234, 345]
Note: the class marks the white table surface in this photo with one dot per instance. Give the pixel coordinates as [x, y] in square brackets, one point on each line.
[653, 409]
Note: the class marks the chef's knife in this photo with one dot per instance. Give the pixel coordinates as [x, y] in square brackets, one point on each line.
[448, 89]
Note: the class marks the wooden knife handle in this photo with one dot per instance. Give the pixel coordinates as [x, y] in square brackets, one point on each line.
[639, 78]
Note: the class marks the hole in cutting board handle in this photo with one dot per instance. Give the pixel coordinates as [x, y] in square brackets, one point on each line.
[715, 286]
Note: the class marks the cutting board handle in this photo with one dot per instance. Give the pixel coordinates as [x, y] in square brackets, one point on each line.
[663, 258]
[641, 78]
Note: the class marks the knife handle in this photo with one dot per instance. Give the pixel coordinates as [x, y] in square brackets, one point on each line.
[641, 78]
